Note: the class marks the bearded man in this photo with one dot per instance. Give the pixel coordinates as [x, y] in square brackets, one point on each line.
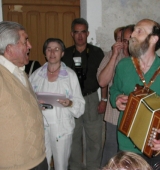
[144, 42]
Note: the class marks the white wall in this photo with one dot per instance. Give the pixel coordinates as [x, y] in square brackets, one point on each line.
[104, 16]
[91, 11]
[1, 18]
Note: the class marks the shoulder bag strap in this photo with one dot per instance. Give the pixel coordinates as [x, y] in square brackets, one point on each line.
[138, 69]
[154, 76]
[30, 71]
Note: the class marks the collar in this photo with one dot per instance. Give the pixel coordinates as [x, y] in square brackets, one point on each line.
[62, 74]
[9, 65]
[86, 50]
[156, 62]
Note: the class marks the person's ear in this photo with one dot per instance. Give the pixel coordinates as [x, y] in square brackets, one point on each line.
[62, 54]
[154, 39]
[71, 34]
[8, 48]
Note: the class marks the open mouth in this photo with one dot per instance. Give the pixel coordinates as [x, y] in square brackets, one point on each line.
[28, 52]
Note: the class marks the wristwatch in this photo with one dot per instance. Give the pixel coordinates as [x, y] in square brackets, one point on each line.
[103, 99]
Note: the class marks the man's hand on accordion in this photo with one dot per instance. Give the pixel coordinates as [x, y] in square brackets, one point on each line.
[156, 143]
[121, 102]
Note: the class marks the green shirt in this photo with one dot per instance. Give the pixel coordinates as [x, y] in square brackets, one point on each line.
[124, 82]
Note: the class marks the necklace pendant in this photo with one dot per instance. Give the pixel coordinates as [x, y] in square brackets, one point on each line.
[53, 71]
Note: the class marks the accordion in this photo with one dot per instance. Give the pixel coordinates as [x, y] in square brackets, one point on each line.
[141, 119]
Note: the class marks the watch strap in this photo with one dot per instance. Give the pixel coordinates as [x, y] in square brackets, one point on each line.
[104, 99]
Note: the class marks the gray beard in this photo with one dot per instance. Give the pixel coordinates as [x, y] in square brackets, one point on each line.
[138, 49]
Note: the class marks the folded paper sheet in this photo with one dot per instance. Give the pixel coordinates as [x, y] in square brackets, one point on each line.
[50, 98]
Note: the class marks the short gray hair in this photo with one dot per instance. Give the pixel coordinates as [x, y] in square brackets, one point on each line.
[57, 40]
[9, 34]
[80, 21]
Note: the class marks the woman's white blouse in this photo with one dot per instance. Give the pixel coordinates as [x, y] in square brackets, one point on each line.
[66, 83]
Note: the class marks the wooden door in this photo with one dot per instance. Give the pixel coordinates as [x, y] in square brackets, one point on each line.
[43, 19]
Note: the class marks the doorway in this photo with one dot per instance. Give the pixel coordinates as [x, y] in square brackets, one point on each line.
[43, 19]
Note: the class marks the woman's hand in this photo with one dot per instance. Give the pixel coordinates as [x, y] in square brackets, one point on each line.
[66, 103]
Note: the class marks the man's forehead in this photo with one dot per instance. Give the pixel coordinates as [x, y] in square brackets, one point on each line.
[80, 27]
[127, 31]
[23, 33]
[53, 44]
[146, 25]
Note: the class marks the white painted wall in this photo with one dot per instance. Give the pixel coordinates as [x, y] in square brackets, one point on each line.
[91, 11]
[1, 17]
[104, 16]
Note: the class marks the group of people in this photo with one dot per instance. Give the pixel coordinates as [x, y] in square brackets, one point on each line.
[31, 135]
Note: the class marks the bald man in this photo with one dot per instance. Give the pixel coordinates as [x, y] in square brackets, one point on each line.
[143, 44]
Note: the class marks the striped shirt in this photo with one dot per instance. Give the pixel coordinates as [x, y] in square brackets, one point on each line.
[111, 114]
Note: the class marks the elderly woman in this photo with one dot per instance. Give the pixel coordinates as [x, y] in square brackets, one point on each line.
[55, 77]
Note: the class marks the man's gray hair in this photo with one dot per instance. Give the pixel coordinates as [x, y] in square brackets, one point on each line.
[80, 21]
[9, 34]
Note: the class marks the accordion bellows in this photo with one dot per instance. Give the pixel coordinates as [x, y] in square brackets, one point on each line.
[141, 119]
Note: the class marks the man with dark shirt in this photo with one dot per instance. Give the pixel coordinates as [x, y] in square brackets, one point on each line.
[85, 58]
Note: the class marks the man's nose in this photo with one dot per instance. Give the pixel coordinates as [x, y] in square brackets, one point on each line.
[29, 45]
[133, 34]
[80, 34]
